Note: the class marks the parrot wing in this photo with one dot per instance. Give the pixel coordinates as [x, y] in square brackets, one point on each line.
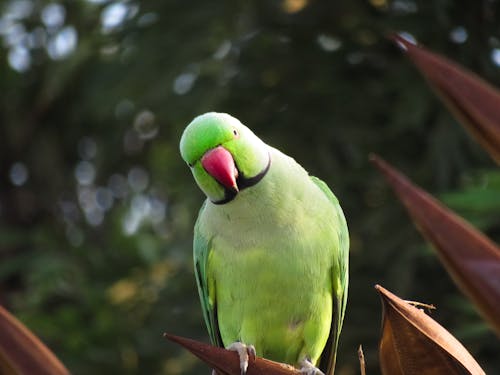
[205, 282]
[340, 280]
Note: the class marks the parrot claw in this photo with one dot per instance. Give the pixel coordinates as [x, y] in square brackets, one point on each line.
[307, 368]
[244, 352]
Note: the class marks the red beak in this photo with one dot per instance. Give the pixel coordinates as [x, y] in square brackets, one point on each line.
[219, 163]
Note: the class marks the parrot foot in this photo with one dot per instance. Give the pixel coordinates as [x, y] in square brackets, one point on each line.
[307, 368]
[244, 352]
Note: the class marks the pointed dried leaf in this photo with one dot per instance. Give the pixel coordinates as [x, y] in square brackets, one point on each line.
[413, 343]
[472, 260]
[226, 362]
[21, 352]
[475, 103]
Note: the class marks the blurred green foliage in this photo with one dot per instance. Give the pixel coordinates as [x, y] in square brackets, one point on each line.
[97, 208]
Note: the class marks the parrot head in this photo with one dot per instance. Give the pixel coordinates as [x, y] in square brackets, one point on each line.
[224, 155]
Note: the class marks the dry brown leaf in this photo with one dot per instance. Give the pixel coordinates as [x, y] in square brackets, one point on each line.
[227, 362]
[412, 343]
[474, 102]
[471, 258]
[22, 353]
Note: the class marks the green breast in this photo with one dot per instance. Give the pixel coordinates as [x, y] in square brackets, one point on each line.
[273, 249]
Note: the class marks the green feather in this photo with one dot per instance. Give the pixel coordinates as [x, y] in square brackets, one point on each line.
[201, 250]
[271, 264]
[328, 358]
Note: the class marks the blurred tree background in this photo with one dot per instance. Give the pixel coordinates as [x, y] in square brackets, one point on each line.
[97, 208]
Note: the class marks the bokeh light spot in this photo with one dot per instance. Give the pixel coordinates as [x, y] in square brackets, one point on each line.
[138, 179]
[495, 56]
[19, 59]
[459, 35]
[118, 185]
[294, 6]
[113, 16]
[104, 198]
[19, 9]
[223, 50]
[63, 43]
[145, 124]
[184, 83]
[18, 174]
[328, 43]
[53, 15]
[85, 173]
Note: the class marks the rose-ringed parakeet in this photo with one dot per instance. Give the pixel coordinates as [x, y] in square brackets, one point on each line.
[270, 248]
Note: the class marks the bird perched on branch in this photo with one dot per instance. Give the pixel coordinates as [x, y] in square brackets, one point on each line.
[270, 248]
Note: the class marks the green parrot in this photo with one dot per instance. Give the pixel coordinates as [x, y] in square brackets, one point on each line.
[270, 248]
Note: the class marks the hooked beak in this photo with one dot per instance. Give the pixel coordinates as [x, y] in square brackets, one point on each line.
[219, 163]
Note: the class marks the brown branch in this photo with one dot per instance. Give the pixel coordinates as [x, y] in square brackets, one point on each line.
[226, 362]
[362, 363]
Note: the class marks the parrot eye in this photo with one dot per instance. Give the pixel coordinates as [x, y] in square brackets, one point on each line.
[190, 165]
[236, 134]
